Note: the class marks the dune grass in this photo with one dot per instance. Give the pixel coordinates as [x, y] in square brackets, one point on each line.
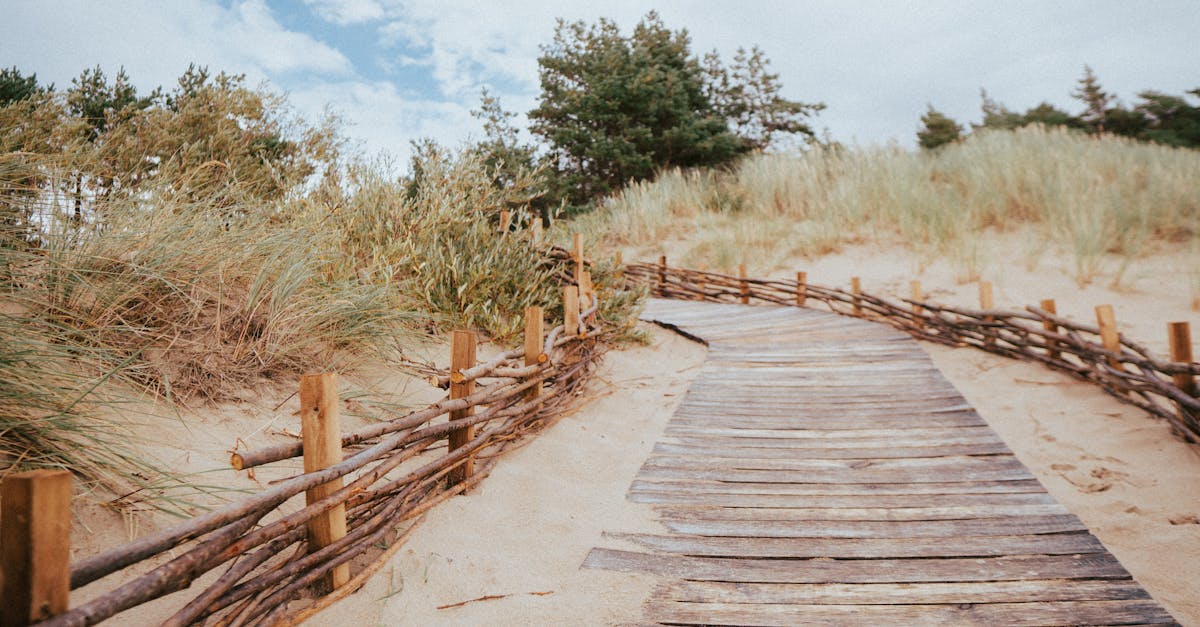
[1092, 197]
[190, 299]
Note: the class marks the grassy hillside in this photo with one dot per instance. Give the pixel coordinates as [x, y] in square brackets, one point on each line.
[1089, 196]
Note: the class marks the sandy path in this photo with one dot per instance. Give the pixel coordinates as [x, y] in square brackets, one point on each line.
[533, 521]
[1134, 485]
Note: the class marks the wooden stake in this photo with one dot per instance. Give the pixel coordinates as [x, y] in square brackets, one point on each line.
[35, 546]
[587, 293]
[537, 230]
[462, 356]
[743, 287]
[1049, 325]
[577, 254]
[321, 434]
[534, 344]
[505, 221]
[856, 290]
[987, 304]
[1109, 337]
[662, 271]
[571, 310]
[801, 288]
[1180, 335]
[916, 295]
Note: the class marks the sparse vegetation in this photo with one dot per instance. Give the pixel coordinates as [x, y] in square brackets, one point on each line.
[1090, 195]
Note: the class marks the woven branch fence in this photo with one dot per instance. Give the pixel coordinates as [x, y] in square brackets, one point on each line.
[1120, 366]
[364, 492]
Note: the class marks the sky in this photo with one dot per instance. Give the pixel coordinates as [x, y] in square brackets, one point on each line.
[399, 70]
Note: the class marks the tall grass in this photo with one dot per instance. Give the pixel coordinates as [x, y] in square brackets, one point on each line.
[1093, 197]
[189, 299]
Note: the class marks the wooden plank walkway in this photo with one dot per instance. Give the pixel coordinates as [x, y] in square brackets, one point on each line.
[821, 470]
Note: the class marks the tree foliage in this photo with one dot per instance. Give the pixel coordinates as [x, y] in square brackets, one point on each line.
[937, 129]
[1155, 117]
[1094, 98]
[210, 136]
[15, 87]
[616, 108]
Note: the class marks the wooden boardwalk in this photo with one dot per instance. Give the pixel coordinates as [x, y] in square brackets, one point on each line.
[821, 470]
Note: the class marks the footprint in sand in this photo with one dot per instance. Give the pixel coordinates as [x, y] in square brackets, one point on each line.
[1090, 480]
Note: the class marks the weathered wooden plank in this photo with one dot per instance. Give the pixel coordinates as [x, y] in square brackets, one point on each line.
[855, 437]
[806, 488]
[1123, 612]
[845, 421]
[1026, 591]
[691, 496]
[917, 434]
[857, 452]
[964, 463]
[962, 512]
[862, 548]
[837, 476]
[1023, 525]
[924, 570]
[948, 472]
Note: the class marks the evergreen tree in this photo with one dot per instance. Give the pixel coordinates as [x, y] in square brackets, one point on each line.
[937, 129]
[748, 96]
[615, 109]
[1047, 114]
[14, 87]
[1170, 120]
[1094, 98]
[996, 115]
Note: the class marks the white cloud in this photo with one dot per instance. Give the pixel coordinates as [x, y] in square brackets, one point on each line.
[383, 120]
[469, 44]
[347, 12]
[155, 41]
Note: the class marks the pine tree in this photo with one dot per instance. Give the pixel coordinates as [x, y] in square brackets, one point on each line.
[937, 129]
[1094, 98]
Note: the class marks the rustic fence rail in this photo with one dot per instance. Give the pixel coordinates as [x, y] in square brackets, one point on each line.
[283, 563]
[1120, 366]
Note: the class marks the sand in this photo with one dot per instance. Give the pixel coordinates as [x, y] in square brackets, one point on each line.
[523, 534]
[527, 529]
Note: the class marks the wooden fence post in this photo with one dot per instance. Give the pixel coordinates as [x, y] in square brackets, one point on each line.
[916, 295]
[856, 290]
[462, 356]
[505, 221]
[35, 538]
[743, 286]
[571, 310]
[987, 304]
[1109, 337]
[577, 253]
[534, 344]
[1049, 307]
[587, 293]
[801, 288]
[321, 436]
[1180, 335]
[662, 273]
